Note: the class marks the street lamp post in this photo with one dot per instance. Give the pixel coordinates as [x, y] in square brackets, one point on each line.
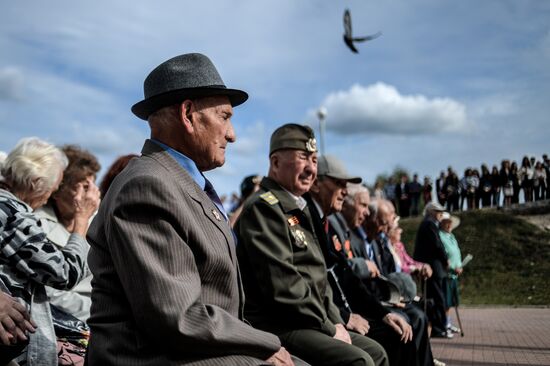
[322, 114]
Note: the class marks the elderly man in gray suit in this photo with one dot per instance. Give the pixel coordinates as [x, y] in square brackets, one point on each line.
[166, 288]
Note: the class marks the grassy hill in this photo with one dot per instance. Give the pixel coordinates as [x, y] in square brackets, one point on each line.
[511, 264]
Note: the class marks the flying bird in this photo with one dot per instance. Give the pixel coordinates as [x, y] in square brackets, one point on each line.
[349, 39]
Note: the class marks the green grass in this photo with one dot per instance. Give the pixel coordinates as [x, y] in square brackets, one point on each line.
[511, 264]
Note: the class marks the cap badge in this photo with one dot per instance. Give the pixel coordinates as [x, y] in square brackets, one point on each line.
[311, 145]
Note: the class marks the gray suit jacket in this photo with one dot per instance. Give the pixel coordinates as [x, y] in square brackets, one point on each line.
[166, 287]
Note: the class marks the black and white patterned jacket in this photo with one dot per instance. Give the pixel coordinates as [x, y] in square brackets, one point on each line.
[28, 262]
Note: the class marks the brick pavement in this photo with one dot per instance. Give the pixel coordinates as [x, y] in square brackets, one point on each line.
[498, 337]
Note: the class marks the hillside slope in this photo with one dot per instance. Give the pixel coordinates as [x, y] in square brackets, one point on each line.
[511, 264]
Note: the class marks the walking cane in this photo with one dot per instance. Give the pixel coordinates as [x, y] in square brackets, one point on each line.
[458, 316]
[424, 292]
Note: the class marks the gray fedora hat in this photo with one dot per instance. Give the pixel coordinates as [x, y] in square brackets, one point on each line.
[330, 166]
[187, 76]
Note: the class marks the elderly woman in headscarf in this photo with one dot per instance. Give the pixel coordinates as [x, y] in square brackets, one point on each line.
[29, 261]
[58, 220]
[448, 224]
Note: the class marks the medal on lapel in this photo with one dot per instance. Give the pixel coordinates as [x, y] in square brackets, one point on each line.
[299, 237]
[216, 214]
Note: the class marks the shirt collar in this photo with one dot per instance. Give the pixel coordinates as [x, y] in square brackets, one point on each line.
[186, 163]
[300, 201]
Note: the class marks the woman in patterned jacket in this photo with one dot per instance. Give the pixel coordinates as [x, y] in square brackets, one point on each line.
[28, 260]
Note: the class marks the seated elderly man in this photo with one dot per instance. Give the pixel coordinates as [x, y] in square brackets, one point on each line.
[282, 263]
[353, 299]
[166, 288]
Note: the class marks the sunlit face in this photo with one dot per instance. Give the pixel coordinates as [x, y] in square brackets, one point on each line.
[212, 131]
[360, 208]
[295, 170]
[332, 192]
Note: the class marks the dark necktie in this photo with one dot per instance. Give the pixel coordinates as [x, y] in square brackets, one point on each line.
[211, 193]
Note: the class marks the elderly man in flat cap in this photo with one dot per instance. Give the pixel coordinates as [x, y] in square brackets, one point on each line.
[429, 249]
[166, 288]
[281, 259]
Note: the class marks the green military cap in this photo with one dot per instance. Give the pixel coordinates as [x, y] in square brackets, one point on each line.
[293, 136]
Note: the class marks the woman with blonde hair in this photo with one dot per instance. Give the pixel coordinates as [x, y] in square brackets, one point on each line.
[29, 261]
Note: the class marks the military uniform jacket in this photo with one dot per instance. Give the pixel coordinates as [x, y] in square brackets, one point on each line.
[166, 287]
[282, 265]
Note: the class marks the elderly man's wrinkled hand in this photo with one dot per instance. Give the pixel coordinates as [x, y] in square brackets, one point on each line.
[14, 320]
[342, 334]
[281, 358]
[400, 325]
[358, 324]
[373, 268]
[426, 271]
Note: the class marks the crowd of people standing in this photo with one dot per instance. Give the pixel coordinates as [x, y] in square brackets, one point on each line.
[475, 189]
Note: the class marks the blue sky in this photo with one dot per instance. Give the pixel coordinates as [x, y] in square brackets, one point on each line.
[448, 83]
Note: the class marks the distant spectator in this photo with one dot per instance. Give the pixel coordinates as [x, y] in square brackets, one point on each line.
[389, 191]
[118, 165]
[439, 189]
[448, 224]
[526, 174]
[496, 186]
[451, 190]
[29, 261]
[516, 181]
[379, 190]
[507, 182]
[427, 190]
[463, 187]
[546, 165]
[403, 197]
[540, 181]
[249, 185]
[485, 186]
[473, 189]
[415, 190]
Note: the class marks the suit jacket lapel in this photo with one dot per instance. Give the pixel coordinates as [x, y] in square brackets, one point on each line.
[194, 191]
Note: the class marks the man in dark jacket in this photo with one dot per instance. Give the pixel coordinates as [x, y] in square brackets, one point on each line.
[429, 249]
[282, 262]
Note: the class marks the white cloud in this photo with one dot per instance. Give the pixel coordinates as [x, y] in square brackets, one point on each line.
[11, 83]
[382, 108]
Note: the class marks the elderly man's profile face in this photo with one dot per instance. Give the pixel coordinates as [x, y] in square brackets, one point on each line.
[295, 170]
[361, 208]
[332, 192]
[212, 131]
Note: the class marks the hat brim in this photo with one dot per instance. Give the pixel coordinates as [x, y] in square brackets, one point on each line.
[152, 104]
[349, 179]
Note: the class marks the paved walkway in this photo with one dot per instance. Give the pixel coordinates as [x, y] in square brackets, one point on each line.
[498, 337]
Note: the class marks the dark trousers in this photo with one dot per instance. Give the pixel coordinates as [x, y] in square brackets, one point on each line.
[320, 349]
[399, 353]
[419, 322]
[435, 288]
[404, 208]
